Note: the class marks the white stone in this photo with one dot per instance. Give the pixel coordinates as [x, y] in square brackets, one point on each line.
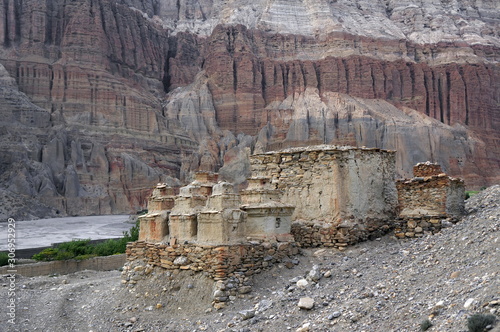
[468, 303]
[306, 303]
[304, 328]
[302, 283]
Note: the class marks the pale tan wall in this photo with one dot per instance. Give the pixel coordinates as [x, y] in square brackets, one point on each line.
[330, 185]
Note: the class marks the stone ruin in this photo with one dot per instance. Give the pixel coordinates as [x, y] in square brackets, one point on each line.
[428, 201]
[303, 197]
[341, 195]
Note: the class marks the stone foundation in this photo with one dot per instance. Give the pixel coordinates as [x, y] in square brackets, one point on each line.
[225, 264]
[311, 234]
[418, 227]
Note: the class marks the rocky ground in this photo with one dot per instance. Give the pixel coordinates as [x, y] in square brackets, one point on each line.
[382, 285]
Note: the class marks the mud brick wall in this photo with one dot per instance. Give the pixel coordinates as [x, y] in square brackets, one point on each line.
[310, 234]
[330, 184]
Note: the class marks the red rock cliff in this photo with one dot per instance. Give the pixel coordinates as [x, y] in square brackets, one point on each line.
[102, 99]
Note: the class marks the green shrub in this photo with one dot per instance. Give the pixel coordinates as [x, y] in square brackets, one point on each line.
[478, 322]
[110, 247]
[4, 258]
[48, 254]
[425, 325]
[64, 255]
[76, 247]
[133, 234]
[470, 193]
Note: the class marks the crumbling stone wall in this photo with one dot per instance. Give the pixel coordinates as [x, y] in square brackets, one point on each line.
[428, 201]
[416, 227]
[435, 195]
[330, 184]
[426, 169]
[218, 262]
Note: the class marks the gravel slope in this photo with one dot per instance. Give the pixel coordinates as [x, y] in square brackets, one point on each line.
[382, 285]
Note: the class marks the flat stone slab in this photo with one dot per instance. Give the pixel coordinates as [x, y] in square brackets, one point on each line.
[44, 232]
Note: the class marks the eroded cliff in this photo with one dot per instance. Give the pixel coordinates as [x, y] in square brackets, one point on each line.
[102, 99]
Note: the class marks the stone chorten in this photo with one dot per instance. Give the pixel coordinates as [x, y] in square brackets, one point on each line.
[213, 214]
[221, 221]
[154, 225]
[267, 217]
[183, 219]
[430, 193]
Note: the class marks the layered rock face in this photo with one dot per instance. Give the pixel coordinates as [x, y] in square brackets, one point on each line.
[102, 99]
[96, 141]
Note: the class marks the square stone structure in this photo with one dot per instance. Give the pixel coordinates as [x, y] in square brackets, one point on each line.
[267, 217]
[431, 193]
[153, 226]
[221, 221]
[332, 184]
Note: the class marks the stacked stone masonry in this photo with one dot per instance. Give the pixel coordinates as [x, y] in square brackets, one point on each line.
[426, 169]
[428, 201]
[417, 227]
[219, 262]
[310, 234]
[224, 264]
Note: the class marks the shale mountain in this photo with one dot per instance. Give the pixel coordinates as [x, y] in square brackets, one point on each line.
[101, 99]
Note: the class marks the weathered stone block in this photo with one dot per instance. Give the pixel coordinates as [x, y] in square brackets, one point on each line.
[153, 227]
[183, 227]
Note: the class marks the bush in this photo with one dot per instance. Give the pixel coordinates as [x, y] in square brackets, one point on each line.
[133, 234]
[110, 247]
[48, 254]
[4, 258]
[470, 193]
[425, 325]
[76, 247]
[478, 322]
